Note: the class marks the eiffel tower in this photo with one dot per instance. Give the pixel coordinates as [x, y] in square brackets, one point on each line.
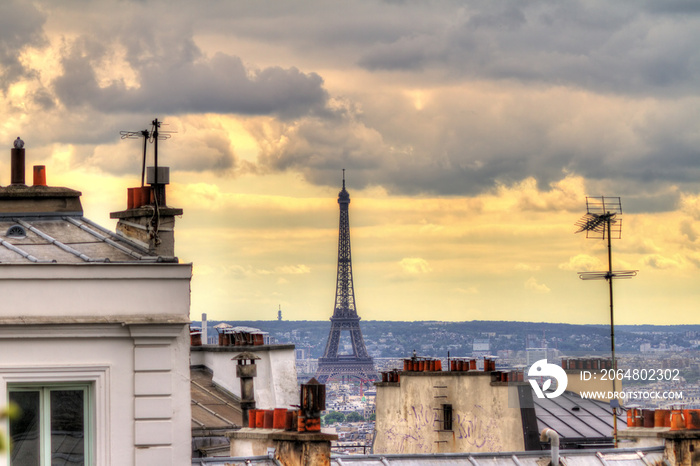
[345, 319]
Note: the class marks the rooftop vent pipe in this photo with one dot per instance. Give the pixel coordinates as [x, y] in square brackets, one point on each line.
[553, 437]
[17, 166]
[39, 175]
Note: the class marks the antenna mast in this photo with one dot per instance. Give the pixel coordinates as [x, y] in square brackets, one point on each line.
[152, 136]
[603, 220]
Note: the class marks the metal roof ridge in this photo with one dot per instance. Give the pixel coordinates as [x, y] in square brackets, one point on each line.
[82, 224]
[21, 252]
[231, 405]
[147, 257]
[573, 452]
[214, 413]
[56, 242]
[386, 458]
[115, 235]
[46, 214]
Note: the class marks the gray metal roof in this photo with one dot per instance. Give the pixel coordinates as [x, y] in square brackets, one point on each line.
[65, 239]
[576, 418]
[212, 408]
[617, 457]
[606, 457]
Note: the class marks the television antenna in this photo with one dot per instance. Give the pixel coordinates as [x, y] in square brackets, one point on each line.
[603, 220]
[152, 136]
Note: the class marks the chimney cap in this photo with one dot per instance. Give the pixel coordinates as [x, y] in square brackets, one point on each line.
[19, 144]
[247, 355]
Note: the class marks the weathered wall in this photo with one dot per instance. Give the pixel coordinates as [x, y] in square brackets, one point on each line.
[275, 385]
[409, 415]
[283, 378]
[640, 437]
[682, 447]
[291, 448]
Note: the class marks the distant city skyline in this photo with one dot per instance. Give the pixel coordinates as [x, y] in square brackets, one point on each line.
[471, 133]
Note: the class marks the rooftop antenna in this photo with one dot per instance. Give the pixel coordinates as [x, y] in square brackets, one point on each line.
[156, 134]
[151, 136]
[603, 220]
[145, 134]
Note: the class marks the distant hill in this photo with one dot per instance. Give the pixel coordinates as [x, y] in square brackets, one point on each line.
[400, 338]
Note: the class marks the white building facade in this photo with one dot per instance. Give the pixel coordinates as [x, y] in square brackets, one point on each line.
[94, 338]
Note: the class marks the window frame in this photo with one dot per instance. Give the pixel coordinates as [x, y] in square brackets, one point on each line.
[97, 376]
[44, 391]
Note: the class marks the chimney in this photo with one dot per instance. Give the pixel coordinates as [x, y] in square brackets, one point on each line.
[148, 221]
[682, 447]
[17, 166]
[39, 175]
[246, 370]
[38, 200]
[312, 400]
[205, 336]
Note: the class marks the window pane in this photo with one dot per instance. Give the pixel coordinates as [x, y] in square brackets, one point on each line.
[67, 427]
[24, 430]
[446, 417]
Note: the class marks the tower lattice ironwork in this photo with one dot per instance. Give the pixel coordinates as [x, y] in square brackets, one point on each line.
[345, 319]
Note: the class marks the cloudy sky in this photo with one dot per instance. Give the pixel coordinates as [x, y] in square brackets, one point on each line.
[471, 133]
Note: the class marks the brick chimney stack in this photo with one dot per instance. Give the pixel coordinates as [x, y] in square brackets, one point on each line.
[147, 219]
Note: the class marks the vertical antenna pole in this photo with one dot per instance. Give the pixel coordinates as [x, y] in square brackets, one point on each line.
[612, 324]
[155, 156]
[143, 162]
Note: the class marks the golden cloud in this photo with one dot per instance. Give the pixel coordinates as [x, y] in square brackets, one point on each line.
[415, 265]
[531, 284]
[582, 263]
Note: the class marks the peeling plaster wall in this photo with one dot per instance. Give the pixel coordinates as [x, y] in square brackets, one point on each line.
[283, 378]
[409, 415]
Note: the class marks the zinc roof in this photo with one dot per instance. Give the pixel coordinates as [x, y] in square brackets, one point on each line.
[66, 239]
[575, 418]
[212, 408]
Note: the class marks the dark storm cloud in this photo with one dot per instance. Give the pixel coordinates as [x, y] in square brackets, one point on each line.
[20, 26]
[456, 146]
[683, 7]
[619, 52]
[173, 76]
[219, 85]
[541, 89]
[626, 46]
[619, 47]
